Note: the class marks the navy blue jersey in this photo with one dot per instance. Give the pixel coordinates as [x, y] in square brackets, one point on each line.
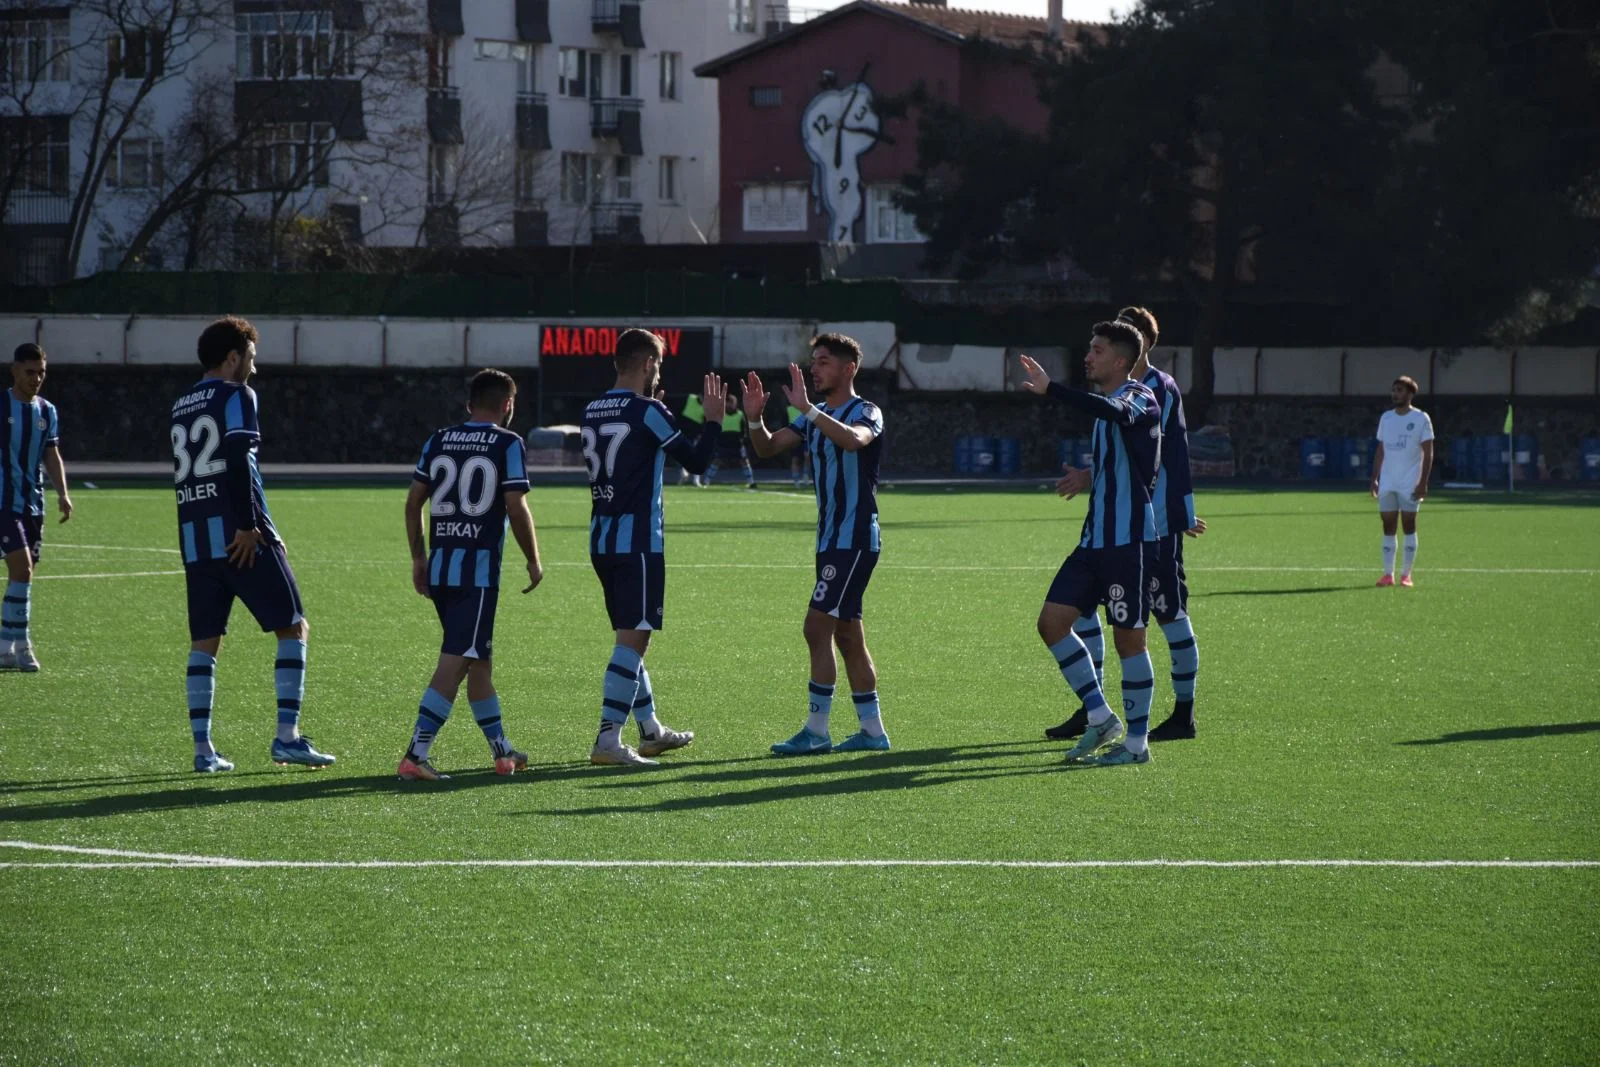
[216, 433]
[468, 469]
[1174, 493]
[1127, 455]
[626, 441]
[847, 482]
[27, 430]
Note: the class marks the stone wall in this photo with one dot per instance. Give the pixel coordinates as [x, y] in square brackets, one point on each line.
[345, 415]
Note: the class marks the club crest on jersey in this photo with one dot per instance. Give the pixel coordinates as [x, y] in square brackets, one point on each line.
[1115, 592]
[1155, 583]
[1411, 426]
[1155, 431]
[829, 573]
[43, 424]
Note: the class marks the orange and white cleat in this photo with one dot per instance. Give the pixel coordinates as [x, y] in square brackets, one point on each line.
[419, 770]
[1386, 581]
[1405, 580]
[511, 762]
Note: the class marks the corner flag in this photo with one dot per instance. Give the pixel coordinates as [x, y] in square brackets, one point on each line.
[1508, 420]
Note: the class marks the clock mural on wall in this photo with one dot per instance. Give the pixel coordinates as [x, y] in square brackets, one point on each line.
[839, 126]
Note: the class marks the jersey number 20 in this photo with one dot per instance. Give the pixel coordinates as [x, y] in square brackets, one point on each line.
[203, 465]
[443, 472]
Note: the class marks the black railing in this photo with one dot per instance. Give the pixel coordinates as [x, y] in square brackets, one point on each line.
[37, 209]
[617, 221]
[444, 116]
[533, 121]
[606, 114]
[619, 17]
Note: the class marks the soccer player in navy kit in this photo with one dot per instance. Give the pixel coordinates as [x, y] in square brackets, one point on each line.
[30, 439]
[627, 436]
[476, 475]
[230, 547]
[844, 435]
[1173, 500]
[1116, 550]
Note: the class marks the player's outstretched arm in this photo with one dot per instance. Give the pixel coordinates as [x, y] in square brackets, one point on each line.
[521, 520]
[765, 443]
[696, 457]
[58, 478]
[416, 497]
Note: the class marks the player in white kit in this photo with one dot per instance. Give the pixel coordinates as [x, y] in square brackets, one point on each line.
[1400, 472]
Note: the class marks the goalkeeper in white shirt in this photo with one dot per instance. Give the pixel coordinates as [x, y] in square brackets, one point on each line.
[1400, 472]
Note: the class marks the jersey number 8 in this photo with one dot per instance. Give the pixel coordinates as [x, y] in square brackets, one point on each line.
[203, 465]
[443, 472]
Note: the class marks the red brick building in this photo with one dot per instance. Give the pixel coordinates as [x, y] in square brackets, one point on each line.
[804, 154]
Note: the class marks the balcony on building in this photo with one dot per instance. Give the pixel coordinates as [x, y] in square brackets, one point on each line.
[533, 121]
[441, 225]
[444, 18]
[619, 17]
[336, 101]
[617, 118]
[533, 21]
[616, 222]
[530, 226]
[444, 116]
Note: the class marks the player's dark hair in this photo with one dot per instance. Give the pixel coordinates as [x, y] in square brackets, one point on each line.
[839, 345]
[634, 347]
[1123, 335]
[27, 353]
[228, 334]
[1143, 320]
[1409, 382]
[490, 388]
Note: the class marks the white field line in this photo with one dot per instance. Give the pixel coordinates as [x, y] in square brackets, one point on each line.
[109, 574]
[951, 567]
[123, 858]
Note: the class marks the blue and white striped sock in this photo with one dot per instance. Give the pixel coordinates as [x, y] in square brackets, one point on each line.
[868, 713]
[202, 685]
[289, 674]
[621, 686]
[1138, 686]
[1073, 659]
[821, 707]
[14, 611]
[644, 705]
[432, 713]
[1094, 639]
[1185, 657]
[487, 712]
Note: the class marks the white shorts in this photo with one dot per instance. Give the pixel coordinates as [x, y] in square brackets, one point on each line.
[1392, 500]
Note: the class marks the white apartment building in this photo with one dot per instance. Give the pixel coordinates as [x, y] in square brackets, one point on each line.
[403, 122]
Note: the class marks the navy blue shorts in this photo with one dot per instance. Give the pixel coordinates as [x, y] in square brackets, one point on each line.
[21, 531]
[842, 577]
[467, 615]
[268, 590]
[1116, 577]
[635, 584]
[1169, 590]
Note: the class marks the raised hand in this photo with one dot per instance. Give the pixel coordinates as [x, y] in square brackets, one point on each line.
[714, 398]
[755, 397]
[796, 389]
[1038, 380]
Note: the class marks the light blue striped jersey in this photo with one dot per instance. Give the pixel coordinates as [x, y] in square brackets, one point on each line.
[216, 433]
[1127, 454]
[1173, 498]
[468, 469]
[29, 428]
[847, 482]
[626, 440]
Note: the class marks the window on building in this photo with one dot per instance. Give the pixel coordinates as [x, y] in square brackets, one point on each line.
[776, 207]
[441, 51]
[667, 180]
[527, 186]
[887, 222]
[580, 73]
[37, 50]
[670, 64]
[625, 74]
[598, 167]
[766, 96]
[136, 164]
[286, 156]
[742, 16]
[41, 147]
[443, 159]
[575, 177]
[523, 55]
[291, 44]
[135, 54]
[623, 170]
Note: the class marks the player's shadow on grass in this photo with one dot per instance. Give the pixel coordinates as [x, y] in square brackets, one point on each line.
[1280, 592]
[828, 775]
[1509, 733]
[287, 787]
[68, 785]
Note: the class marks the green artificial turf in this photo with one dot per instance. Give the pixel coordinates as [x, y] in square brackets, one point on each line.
[1453, 721]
